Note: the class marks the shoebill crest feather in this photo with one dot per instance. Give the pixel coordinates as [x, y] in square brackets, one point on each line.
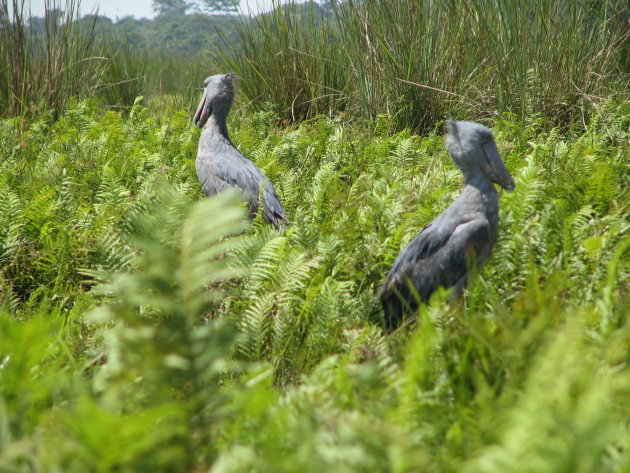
[219, 164]
[462, 236]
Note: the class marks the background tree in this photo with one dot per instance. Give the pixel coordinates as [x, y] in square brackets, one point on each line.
[181, 7]
[170, 7]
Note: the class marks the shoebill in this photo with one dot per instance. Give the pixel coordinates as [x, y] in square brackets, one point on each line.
[461, 237]
[219, 164]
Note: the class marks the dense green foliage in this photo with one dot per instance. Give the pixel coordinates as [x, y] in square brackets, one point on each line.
[419, 61]
[144, 327]
[140, 330]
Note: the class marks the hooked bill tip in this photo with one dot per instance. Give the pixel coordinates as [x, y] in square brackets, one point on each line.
[506, 181]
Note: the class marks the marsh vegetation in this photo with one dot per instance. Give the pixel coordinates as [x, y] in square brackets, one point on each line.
[144, 327]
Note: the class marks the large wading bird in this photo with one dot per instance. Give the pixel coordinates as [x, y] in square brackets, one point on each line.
[461, 237]
[220, 166]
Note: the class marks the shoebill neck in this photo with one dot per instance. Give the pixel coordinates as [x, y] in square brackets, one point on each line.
[478, 195]
[475, 178]
[216, 126]
[217, 122]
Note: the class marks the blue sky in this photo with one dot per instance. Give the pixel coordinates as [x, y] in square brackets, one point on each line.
[138, 8]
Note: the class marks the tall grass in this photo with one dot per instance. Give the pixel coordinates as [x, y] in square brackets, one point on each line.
[44, 69]
[174, 81]
[165, 79]
[421, 61]
[288, 57]
[47, 64]
[387, 43]
[414, 62]
[550, 57]
[124, 75]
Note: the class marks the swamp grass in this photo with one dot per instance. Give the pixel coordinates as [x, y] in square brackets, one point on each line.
[416, 62]
[48, 63]
[144, 327]
[419, 62]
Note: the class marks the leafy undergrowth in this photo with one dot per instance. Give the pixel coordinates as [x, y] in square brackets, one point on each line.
[145, 328]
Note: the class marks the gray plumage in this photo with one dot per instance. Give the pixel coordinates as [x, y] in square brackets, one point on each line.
[462, 236]
[219, 164]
